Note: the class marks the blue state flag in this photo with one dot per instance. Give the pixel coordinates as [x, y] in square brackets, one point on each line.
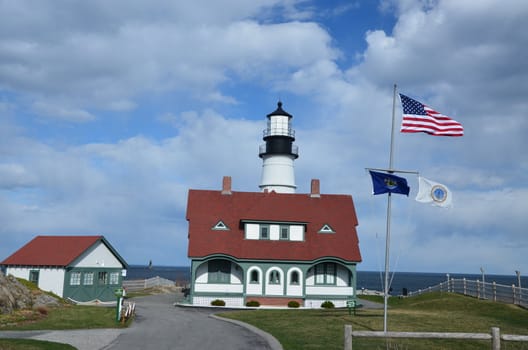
[388, 183]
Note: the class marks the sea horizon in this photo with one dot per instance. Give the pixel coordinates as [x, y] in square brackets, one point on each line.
[400, 281]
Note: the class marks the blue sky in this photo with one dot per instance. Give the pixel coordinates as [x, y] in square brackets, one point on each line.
[111, 111]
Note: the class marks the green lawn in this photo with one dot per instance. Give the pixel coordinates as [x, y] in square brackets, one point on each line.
[433, 312]
[65, 317]
[29, 344]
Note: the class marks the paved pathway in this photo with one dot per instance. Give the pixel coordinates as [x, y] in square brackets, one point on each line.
[160, 325]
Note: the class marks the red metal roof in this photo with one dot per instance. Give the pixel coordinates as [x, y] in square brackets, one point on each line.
[205, 208]
[52, 250]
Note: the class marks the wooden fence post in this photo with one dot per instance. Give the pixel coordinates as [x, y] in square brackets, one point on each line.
[513, 293]
[495, 338]
[465, 286]
[348, 337]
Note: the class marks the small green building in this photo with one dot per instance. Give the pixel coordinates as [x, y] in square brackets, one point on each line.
[78, 268]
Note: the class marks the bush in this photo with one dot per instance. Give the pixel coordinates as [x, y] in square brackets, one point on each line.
[218, 302]
[253, 303]
[293, 303]
[327, 305]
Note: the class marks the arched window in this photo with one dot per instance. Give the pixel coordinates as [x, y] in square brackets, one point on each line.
[254, 277]
[294, 277]
[274, 277]
[325, 273]
[219, 271]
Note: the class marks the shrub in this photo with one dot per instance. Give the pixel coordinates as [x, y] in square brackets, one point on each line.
[218, 302]
[253, 303]
[293, 303]
[327, 305]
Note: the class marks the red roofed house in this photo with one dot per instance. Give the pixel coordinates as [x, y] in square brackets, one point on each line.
[272, 246]
[79, 268]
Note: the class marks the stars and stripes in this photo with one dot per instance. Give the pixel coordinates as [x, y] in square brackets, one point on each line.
[418, 117]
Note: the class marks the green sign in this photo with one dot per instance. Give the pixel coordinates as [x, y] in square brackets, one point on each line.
[118, 292]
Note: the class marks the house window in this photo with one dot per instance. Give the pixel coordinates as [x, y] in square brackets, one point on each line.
[75, 278]
[102, 277]
[114, 278]
[34, 276]
[274, 277]
[219, 271]
[325, 273]
[264, 231]
[284, 232]
[294, 278]
[254, 277]
[88, 278]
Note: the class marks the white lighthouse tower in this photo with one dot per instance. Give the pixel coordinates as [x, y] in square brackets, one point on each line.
[278, 153]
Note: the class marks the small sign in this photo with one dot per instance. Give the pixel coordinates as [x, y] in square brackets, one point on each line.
[118, 292]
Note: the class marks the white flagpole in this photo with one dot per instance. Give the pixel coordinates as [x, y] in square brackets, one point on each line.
[387, 237]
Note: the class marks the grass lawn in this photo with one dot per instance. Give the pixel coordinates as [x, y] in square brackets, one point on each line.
[64, 317]
[432, 312]
[29, 344]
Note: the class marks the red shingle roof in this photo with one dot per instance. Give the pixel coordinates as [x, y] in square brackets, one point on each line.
[52, 250]
[205, 208]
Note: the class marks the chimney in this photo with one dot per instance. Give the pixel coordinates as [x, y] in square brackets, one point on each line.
[226, 185]
[315, 192]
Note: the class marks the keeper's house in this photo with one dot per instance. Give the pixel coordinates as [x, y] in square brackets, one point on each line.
[272, 246]
[79, 268]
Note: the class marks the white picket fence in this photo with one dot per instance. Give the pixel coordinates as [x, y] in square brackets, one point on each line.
[138, 285]
[481, 290]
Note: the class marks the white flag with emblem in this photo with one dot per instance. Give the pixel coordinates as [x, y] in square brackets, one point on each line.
[434, 193]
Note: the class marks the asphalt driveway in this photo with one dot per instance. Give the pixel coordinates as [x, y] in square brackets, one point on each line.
[160, 325]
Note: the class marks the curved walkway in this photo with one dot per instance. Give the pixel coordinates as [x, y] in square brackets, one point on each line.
[160, 325]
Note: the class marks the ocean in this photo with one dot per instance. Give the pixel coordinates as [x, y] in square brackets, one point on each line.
[373, 280]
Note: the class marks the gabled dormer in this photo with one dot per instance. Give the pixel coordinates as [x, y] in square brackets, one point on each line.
[274, 231]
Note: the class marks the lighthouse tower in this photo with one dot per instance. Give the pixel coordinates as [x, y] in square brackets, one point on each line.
[278, 153]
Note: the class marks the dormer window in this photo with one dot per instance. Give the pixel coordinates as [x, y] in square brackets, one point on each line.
[326, 229]
[284, 232]
[220, 226]
[274, 231]
[264, 232]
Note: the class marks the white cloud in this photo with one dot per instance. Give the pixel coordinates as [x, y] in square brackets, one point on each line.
[59, 56]
[61, 112]
[172, 91]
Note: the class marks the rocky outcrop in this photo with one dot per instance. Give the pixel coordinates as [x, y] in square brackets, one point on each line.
[14, 295]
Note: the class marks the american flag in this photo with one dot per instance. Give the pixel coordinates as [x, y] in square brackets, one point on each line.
[418, 117]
